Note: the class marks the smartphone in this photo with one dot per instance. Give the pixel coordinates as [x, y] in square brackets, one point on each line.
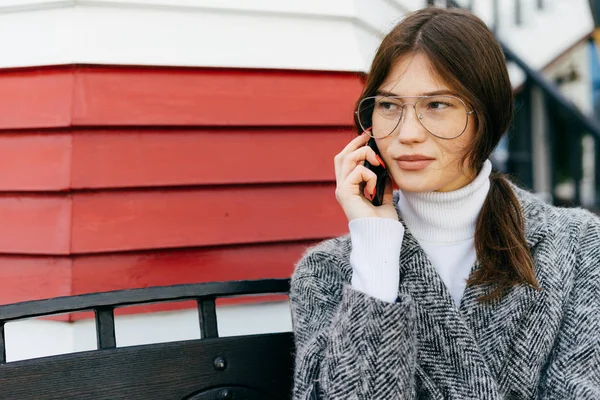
[381, 175]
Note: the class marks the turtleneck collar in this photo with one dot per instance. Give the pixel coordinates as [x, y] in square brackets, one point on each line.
[446, 216]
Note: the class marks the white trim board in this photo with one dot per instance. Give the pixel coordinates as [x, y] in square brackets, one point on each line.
[333, 35]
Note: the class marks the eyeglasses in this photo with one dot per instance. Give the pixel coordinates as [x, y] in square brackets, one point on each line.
[445, 117]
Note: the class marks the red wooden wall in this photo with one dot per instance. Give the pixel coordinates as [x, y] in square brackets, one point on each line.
[124, 177]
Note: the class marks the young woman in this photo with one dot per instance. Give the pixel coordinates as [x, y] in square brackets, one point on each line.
[460, 285]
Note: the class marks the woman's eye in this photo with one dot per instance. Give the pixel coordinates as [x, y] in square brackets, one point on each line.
[437, 105]
[388, 106]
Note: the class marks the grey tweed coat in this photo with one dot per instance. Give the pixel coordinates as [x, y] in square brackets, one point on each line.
[529, 344]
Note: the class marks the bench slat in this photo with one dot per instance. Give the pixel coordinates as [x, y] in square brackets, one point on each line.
[165, 371]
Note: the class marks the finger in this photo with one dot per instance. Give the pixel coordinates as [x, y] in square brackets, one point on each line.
[358, 157]
[353, 184]
[351, 160]
[354, 144]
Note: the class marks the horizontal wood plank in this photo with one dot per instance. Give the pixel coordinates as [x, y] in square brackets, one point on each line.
[136, 220]
[35, 224]
[214, 97]
[64, 96]
[174, 370]
[35, 161]
[27, 278]
[129, 158]
[36, 97]
[129, 220]
[170, 157]
[106, 272]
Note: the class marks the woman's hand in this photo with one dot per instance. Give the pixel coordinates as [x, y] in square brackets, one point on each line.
[354, 180]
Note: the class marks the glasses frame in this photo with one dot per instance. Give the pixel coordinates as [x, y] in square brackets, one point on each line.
[419, 117]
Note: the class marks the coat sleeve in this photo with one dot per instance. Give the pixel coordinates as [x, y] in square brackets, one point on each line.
[348, 345]
[573, 371]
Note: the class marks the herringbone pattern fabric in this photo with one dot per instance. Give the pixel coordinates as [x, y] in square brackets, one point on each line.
[528, 344]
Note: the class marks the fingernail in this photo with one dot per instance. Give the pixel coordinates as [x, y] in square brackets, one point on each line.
[380, 160]
[373, 194]
[368, 129]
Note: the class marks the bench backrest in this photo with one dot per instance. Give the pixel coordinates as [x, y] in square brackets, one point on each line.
[210, 368]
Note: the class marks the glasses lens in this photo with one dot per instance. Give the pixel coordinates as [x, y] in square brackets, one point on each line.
[380, 113]
[443, 116]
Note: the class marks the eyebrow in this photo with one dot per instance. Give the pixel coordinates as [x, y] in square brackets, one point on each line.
[434, 93]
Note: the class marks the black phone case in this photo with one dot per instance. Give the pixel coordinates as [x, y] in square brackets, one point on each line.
[381, 175]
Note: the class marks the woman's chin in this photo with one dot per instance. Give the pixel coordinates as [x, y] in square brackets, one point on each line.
[416, 188]
[410, 184]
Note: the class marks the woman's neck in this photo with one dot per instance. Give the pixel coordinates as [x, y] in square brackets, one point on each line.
[446, 216]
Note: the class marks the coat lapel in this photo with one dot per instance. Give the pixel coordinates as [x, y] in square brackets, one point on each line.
[447, 349]
[500, 328]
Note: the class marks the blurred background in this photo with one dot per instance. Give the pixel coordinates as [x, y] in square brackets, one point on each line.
[158, 142]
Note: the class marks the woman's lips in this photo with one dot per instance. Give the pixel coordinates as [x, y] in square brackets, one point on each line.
[414, 162]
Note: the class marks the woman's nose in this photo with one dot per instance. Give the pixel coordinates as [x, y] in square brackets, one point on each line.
[410, 129]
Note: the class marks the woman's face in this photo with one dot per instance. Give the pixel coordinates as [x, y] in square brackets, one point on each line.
[437, 166]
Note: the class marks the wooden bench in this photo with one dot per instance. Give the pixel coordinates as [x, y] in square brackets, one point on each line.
[251, 367]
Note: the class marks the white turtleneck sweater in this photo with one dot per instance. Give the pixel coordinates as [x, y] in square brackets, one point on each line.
[442, 222]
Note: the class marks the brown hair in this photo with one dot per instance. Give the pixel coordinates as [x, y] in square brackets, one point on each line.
[465, 54]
